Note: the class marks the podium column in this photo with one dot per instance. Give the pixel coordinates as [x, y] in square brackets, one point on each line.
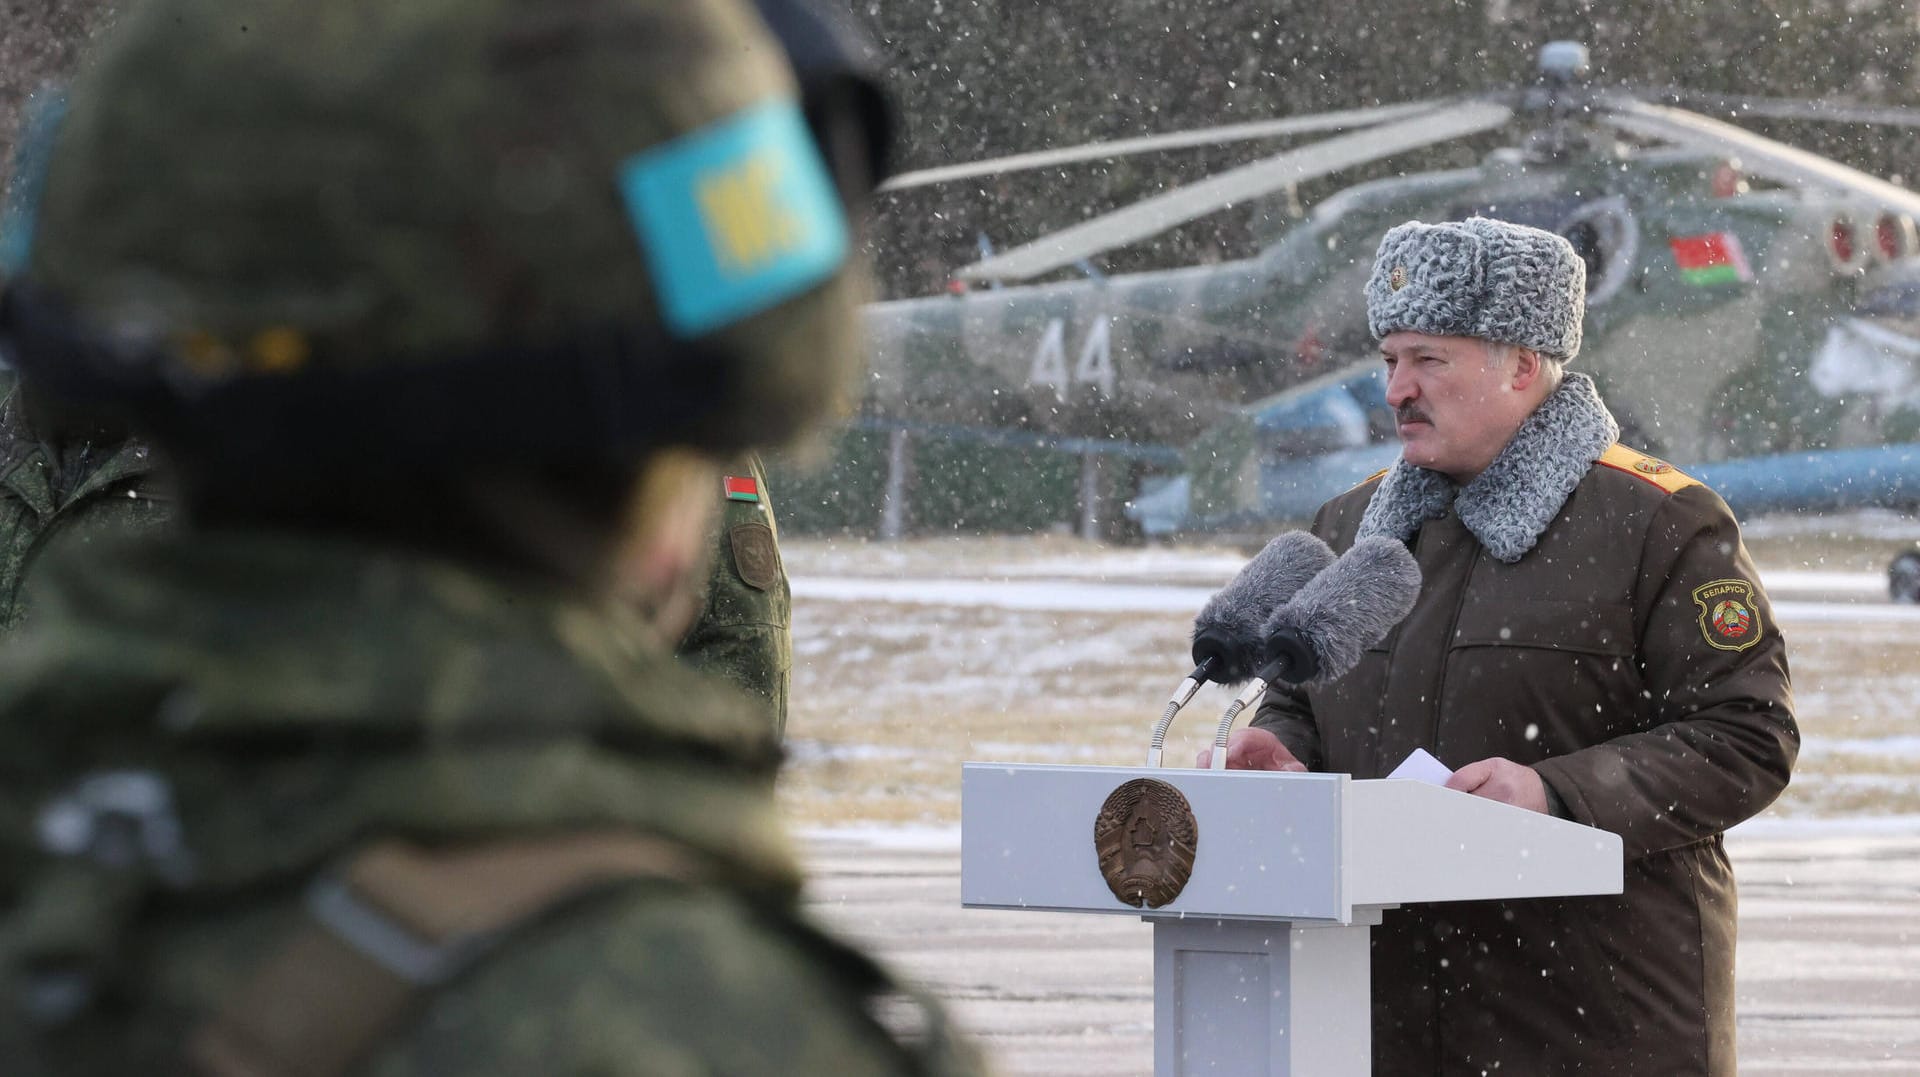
[1272, 998]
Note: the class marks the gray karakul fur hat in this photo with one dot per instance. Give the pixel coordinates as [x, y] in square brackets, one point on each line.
[1479, 278]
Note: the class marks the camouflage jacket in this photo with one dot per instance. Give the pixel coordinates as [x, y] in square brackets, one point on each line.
[201, 729]
[745, 631]
[51, 495]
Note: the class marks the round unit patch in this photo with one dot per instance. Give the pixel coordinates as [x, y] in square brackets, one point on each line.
[1650, 466]
[1729, 614]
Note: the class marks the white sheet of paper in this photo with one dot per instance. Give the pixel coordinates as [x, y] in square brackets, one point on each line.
[1421, 766]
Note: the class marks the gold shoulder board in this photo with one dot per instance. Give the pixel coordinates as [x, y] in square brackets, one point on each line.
[1647, 468]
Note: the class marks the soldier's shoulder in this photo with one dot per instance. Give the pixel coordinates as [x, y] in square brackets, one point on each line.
[656, 972]
[1622, 460]
[743, 487]
[1344, 509]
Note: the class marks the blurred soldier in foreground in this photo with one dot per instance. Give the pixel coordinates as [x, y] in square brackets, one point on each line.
[441, 311]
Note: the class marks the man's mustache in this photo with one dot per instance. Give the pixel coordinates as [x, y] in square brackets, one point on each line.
[1407, 413]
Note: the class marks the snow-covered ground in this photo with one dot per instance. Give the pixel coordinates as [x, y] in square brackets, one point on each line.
[1124, 595]
[1829, 941]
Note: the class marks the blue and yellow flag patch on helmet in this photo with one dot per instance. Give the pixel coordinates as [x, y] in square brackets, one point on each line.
[735, 218]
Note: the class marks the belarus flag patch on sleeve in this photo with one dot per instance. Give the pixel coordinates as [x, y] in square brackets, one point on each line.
[1714, 258]
[741, 488]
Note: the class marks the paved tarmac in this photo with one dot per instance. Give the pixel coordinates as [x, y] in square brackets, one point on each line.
[1829, 960]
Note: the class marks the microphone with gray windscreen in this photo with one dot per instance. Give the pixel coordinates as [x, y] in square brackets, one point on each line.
[1320, 633]
[1229, 637]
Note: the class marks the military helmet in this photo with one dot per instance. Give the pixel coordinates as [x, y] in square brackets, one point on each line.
[448, 231]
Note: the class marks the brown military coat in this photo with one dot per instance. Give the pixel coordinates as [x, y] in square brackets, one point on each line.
[1631, 657]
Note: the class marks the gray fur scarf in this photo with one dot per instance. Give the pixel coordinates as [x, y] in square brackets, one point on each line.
[1509, 505]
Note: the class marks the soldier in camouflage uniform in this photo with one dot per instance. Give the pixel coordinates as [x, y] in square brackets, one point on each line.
[745, 630]
[382, 766]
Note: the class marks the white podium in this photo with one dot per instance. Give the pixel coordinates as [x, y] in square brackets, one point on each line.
[1261, 962]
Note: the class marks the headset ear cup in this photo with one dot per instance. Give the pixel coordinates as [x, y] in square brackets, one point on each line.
[839, 71]
[844, 129]
[881, 127]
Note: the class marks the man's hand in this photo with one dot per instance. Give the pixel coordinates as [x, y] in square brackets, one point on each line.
[1253, 749]
[1499, 779]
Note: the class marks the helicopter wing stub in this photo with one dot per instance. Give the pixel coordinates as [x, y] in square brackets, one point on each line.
[1161, 212]
[1790, 108]
[1176, 140]
[1758, 154]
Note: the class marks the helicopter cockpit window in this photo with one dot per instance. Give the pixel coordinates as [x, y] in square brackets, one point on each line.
[1603, 233]
[1586, 243]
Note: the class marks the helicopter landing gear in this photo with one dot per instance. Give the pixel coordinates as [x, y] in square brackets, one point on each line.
[1903, 578]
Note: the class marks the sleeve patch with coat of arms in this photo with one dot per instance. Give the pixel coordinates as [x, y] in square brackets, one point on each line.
[1729, 614]
[755, 556]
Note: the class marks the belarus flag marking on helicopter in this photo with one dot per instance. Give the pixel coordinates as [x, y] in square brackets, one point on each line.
[1715, 258]
[741, 488]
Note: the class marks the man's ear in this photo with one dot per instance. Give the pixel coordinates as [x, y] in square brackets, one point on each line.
[1528, 368]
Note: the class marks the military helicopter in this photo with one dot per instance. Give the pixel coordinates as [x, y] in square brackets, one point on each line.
[1753, 309]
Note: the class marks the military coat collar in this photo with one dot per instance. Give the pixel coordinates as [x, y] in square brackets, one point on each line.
[1508, 506]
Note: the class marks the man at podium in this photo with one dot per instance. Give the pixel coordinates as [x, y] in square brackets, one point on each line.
[1591, 640]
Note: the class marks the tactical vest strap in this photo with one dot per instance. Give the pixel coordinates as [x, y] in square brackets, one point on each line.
[396, 922]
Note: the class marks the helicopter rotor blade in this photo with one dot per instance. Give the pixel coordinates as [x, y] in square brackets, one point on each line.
[1790, 108]
[1758, 154]
[1203, 136]
[1161, 212]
